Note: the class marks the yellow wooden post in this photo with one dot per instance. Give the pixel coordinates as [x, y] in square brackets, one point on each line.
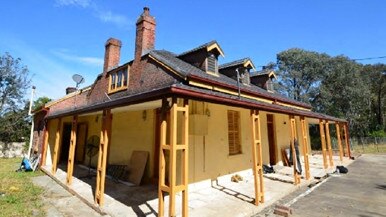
[293, 136]
[71, 154]
[56, 147]
[346, 139]
[305, 147]
[162, 162]
[45, 145]
[185, 158]
[172, 158]
[102, 156]
[328, 138]
[323, 141]
[339, 138]
[173, 148]
[257, 157]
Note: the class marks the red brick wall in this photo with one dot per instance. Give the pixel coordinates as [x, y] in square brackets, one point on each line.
[112, 54]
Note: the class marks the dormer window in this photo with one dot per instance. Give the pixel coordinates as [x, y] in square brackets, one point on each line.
[211, 64]
[118, 80]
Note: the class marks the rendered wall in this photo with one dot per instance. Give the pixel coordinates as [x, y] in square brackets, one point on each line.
[130, 132]
[209, 154]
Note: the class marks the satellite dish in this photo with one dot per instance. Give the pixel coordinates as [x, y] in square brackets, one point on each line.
[78, 79]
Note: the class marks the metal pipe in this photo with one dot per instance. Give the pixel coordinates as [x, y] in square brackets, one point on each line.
[32, 120]
[238, 82]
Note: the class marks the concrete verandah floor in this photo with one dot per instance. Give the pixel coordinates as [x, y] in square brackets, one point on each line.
[207, 198]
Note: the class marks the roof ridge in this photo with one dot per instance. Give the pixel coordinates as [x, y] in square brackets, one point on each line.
[197, 48]
[235, 62]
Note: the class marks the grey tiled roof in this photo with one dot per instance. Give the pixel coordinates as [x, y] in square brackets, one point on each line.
[198, 48]
[234, 63]
[185, 70]
[259, 73]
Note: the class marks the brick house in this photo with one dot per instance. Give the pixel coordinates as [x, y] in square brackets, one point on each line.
[186, 111]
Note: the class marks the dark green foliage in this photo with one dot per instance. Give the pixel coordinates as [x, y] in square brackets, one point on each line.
[336, 86]
[14, 81]
[40, 102]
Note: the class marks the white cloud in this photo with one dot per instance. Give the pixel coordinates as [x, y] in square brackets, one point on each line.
[117, 19]
[105, 16]
[81, 3]
[92, 61]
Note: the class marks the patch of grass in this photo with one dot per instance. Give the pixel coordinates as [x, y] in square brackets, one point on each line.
[370, 149]
[18, 196]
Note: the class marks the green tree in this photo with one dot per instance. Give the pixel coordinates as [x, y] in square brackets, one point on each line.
[40, 102]
[14, 82]
[375, 77]
[15, 125]
[300, 73]
[343, 94]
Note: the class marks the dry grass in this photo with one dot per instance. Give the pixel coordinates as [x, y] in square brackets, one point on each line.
[370, 149]
[18, 196]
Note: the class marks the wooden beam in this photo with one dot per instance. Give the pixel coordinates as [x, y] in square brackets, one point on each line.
[45, 145]
[305, 147]
[329, 148]
[173, 148]
[339, 138]
[323, 141]
[346, 139]
[294, 161]
[56, 147]
[71, 154]
[185, 158]
[102, 156]
[162, 160]
[257, 157]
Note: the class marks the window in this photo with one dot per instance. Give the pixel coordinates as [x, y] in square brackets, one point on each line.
[234, 132]
[118, 80]
[212, 66]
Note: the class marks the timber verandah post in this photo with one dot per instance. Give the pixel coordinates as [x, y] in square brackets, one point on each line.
[339, 138]
[329, 148]
[71, 154]
[102, 156]
[346, 139]
[173, 147]
[45, 145]
[305, 147]
[323, 141]
[257, 157]
[56, 147]
[294, 157]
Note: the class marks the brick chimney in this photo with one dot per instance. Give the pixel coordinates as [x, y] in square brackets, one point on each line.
[112, 54]
[145, 34]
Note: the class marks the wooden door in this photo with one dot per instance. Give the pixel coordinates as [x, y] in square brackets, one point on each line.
[81, 142]
[271, 140]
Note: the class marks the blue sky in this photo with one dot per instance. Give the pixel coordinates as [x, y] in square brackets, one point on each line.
[58, 38]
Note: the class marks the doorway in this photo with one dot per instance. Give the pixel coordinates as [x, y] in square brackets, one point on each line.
[65, 147]
[271, 140]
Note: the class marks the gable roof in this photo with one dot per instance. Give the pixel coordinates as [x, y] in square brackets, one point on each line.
[208, 46]
[270, 73]
[245, 62]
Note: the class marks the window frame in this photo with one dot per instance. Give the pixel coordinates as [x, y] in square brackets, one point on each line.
[120, 78]
[233, 118]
